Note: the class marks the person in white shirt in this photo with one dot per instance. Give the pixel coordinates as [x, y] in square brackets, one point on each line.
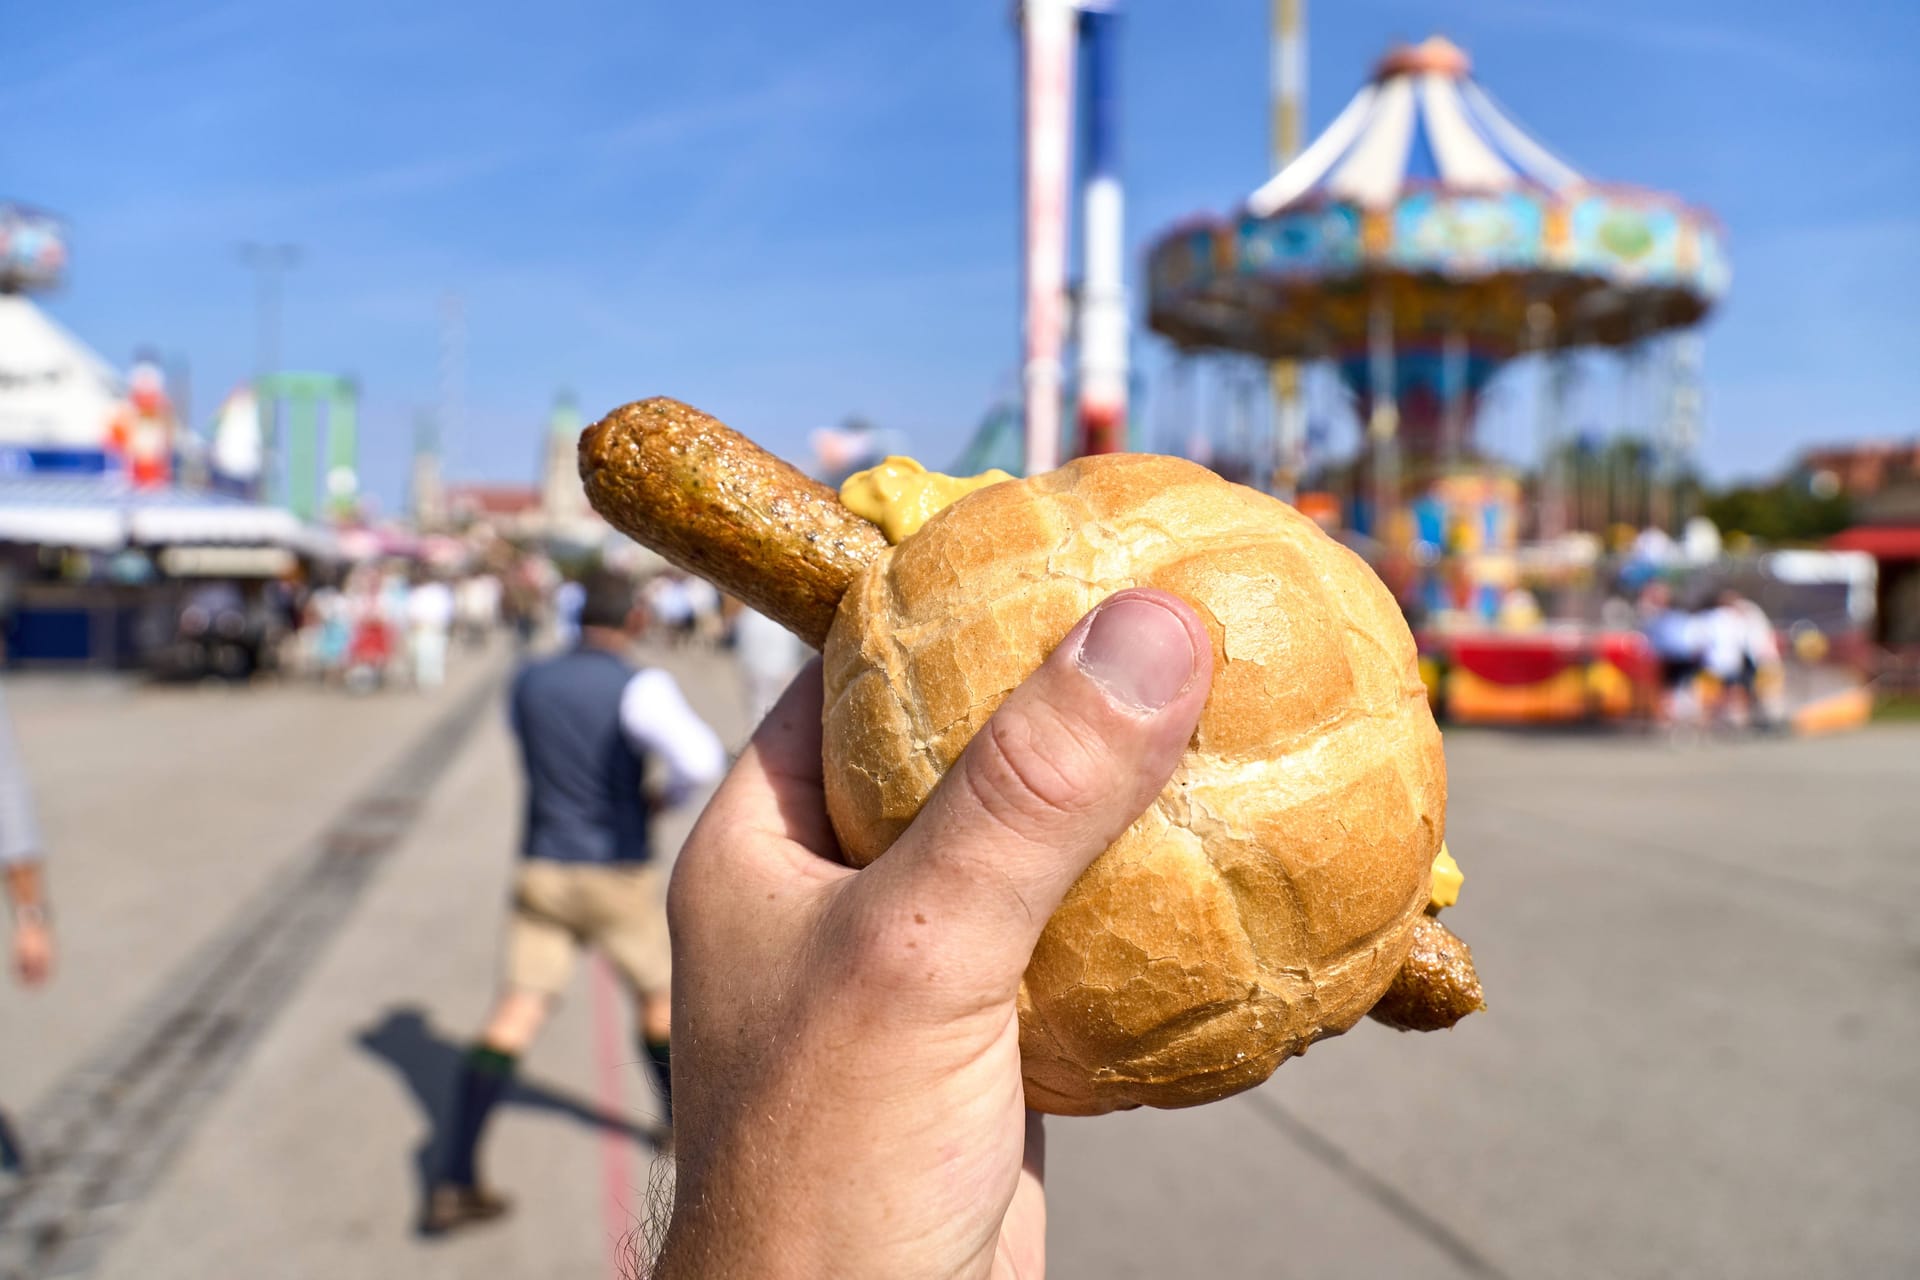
[1737, 642]
[671, 605]
[478, 604]
[429, 621]
[588, 722]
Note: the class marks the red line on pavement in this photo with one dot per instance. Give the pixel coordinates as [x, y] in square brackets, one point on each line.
[616, 1178]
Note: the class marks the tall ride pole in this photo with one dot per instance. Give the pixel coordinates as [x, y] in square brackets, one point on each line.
[1103, 291]
[1046, 54]
[1288, 76]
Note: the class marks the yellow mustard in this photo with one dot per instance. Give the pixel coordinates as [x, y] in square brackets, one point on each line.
[1447, 878]
[900, 495]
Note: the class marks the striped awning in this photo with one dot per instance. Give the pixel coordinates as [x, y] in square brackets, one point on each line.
[1422, 121]
[104, 513]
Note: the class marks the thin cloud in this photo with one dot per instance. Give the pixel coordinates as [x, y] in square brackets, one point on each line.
[110, 49]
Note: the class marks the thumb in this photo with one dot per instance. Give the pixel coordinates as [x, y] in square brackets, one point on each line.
[1066, 764]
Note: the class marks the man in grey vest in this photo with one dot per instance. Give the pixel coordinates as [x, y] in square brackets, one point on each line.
[587, 721]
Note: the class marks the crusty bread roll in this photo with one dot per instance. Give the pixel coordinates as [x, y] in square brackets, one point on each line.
[1266, 899]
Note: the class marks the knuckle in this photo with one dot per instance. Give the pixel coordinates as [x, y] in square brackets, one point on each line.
[1026, 772]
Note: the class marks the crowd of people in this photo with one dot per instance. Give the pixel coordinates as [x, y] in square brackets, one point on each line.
[393, 626]
[1719, 659]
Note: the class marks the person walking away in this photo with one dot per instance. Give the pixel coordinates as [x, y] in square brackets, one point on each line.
[587, 722]
[1674, 639]
[330, 618]
[1766, 677]
[1725, 655]
[429, 620]
[672, 606]
[703, 605]
[479, 608]
[21, 863]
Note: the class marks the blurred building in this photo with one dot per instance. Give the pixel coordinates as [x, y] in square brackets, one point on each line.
[426, 486]
[1860, 470]
[508, 510]
[563, 499]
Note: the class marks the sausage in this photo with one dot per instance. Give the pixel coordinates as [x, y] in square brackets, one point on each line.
[717, 505]
[1437, 985]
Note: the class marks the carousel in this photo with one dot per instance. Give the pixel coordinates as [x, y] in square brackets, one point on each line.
[1421, 243]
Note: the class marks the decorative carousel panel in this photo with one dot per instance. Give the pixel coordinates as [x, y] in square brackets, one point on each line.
[1181, 262]
[1713, 270]
[1625, 239]
[1468, 234]
[1311, 241]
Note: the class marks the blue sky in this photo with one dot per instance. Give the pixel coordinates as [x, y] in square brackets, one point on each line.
[789, 213]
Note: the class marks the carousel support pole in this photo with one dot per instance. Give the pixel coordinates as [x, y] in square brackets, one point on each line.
[1557, 377]
[1629, 433]
[1175, 407]
[1683, 420]
[1288, 80]
[1453, 426]
[1539, 335]
[1660, 427]
[1250, 388]
[1383, 423]
[1046, 46]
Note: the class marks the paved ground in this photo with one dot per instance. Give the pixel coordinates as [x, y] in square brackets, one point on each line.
[1703, 1056]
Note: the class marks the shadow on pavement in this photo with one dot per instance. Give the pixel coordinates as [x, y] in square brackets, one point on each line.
[428, 1061]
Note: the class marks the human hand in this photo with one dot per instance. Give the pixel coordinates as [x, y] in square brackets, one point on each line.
[846, 1044]
[32, 952]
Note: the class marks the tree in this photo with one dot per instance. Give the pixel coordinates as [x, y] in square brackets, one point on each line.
[1782, 512]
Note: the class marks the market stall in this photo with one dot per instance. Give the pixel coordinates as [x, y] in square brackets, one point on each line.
[95, 572]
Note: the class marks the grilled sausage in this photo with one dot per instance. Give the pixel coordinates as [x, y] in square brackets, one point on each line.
[1437, 985]
[717, 505]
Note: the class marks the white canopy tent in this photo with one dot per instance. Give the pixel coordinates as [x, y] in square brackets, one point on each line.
[103, 513]
[55, 391]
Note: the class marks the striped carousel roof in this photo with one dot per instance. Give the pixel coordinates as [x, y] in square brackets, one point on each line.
[1422, 121]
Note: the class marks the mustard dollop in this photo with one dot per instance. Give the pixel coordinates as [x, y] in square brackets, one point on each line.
[900, 495]
[1447, 878]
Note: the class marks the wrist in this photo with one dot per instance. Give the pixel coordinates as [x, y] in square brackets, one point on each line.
[31, 915]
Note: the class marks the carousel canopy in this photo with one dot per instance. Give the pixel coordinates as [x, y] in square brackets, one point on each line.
[1425, 206]
[1421, 122]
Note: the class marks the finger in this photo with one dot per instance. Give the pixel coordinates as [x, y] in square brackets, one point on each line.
[774, 788]
[1072, 757]
[765, 832]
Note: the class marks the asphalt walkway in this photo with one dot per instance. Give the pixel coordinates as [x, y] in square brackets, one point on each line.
[1702, 1056]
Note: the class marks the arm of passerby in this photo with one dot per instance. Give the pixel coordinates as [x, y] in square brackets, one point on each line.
[32, 931]
[21, 857]
[846, 1049]
[656, 718]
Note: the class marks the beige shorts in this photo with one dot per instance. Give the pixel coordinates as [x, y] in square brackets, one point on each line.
[560, 907]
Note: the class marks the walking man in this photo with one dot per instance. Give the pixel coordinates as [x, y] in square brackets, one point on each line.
[587, 723]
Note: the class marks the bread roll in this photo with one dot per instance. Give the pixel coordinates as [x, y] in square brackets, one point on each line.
[1266, 900]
